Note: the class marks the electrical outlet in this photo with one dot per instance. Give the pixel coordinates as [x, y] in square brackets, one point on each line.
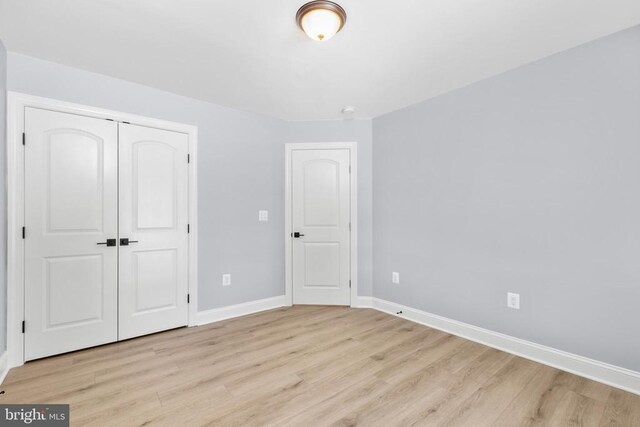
[513, 301]
[395, 277]
[263, 216]
[226, 280]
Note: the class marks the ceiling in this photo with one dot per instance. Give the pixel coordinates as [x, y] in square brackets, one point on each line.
[250, 55]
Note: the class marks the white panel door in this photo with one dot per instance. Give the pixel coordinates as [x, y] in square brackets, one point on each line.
[71, 207]
[154, 217]
[320, 220]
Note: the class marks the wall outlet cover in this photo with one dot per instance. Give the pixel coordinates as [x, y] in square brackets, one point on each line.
[226, 279]
[513, 301]
[263, 216]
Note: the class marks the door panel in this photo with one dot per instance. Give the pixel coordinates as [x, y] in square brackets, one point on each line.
[154, 183]
[70, 206]
[70, 185]
[154, 216]
[321, 214]
[74, 290]
[155, 280]
[317, 256]
[321, 193]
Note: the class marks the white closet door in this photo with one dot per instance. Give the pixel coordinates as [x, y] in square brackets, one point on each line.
[154, 217]
[321, 209]
[70, 207]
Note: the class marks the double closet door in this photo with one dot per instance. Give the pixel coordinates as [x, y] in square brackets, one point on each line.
[106, 243]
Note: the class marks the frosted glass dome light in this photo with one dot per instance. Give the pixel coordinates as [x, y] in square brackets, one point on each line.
[321, 20]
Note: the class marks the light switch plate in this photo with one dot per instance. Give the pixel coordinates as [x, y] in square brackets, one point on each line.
[395, 278]
[263, 216]
[226, 280]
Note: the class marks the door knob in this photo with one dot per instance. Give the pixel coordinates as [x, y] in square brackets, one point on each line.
[109, 242]
[297, 235]
[125, 241]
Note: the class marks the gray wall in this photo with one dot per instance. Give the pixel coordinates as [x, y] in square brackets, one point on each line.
[526, 182]
[347, 131]
[3, 201]
[240, 171]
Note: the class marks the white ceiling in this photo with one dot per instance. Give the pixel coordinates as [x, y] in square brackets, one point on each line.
[250, 55]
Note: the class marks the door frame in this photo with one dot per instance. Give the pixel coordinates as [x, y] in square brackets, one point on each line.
[353, 161]
[16, 104]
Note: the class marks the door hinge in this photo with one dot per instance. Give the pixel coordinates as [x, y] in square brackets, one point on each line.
[188, 228]
[188, 158]
[188, 298]
[24, 138]
[24, 326]
[349, 283]
[24, 232]
[349, 226]
[349, 168]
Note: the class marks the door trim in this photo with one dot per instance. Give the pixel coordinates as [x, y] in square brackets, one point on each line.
[353, 161]
[16, 104]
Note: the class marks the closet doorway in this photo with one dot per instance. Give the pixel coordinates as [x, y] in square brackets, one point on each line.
[107, 226]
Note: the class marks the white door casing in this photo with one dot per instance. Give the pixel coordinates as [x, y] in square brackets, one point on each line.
[153, 270]
[70, 207]
[320, 224]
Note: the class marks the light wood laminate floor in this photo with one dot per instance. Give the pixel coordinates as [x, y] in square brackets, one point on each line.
[314, 366]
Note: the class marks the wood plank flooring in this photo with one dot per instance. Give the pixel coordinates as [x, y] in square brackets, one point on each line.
[314, 366]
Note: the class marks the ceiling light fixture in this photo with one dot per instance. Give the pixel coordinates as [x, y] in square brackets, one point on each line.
[321, 19]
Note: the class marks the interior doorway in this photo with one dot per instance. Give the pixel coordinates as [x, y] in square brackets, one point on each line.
[321, 226]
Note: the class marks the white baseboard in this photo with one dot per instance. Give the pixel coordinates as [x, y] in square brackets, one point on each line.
[615, 376]
[363, 302]
[231, 311]
[4, 366]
